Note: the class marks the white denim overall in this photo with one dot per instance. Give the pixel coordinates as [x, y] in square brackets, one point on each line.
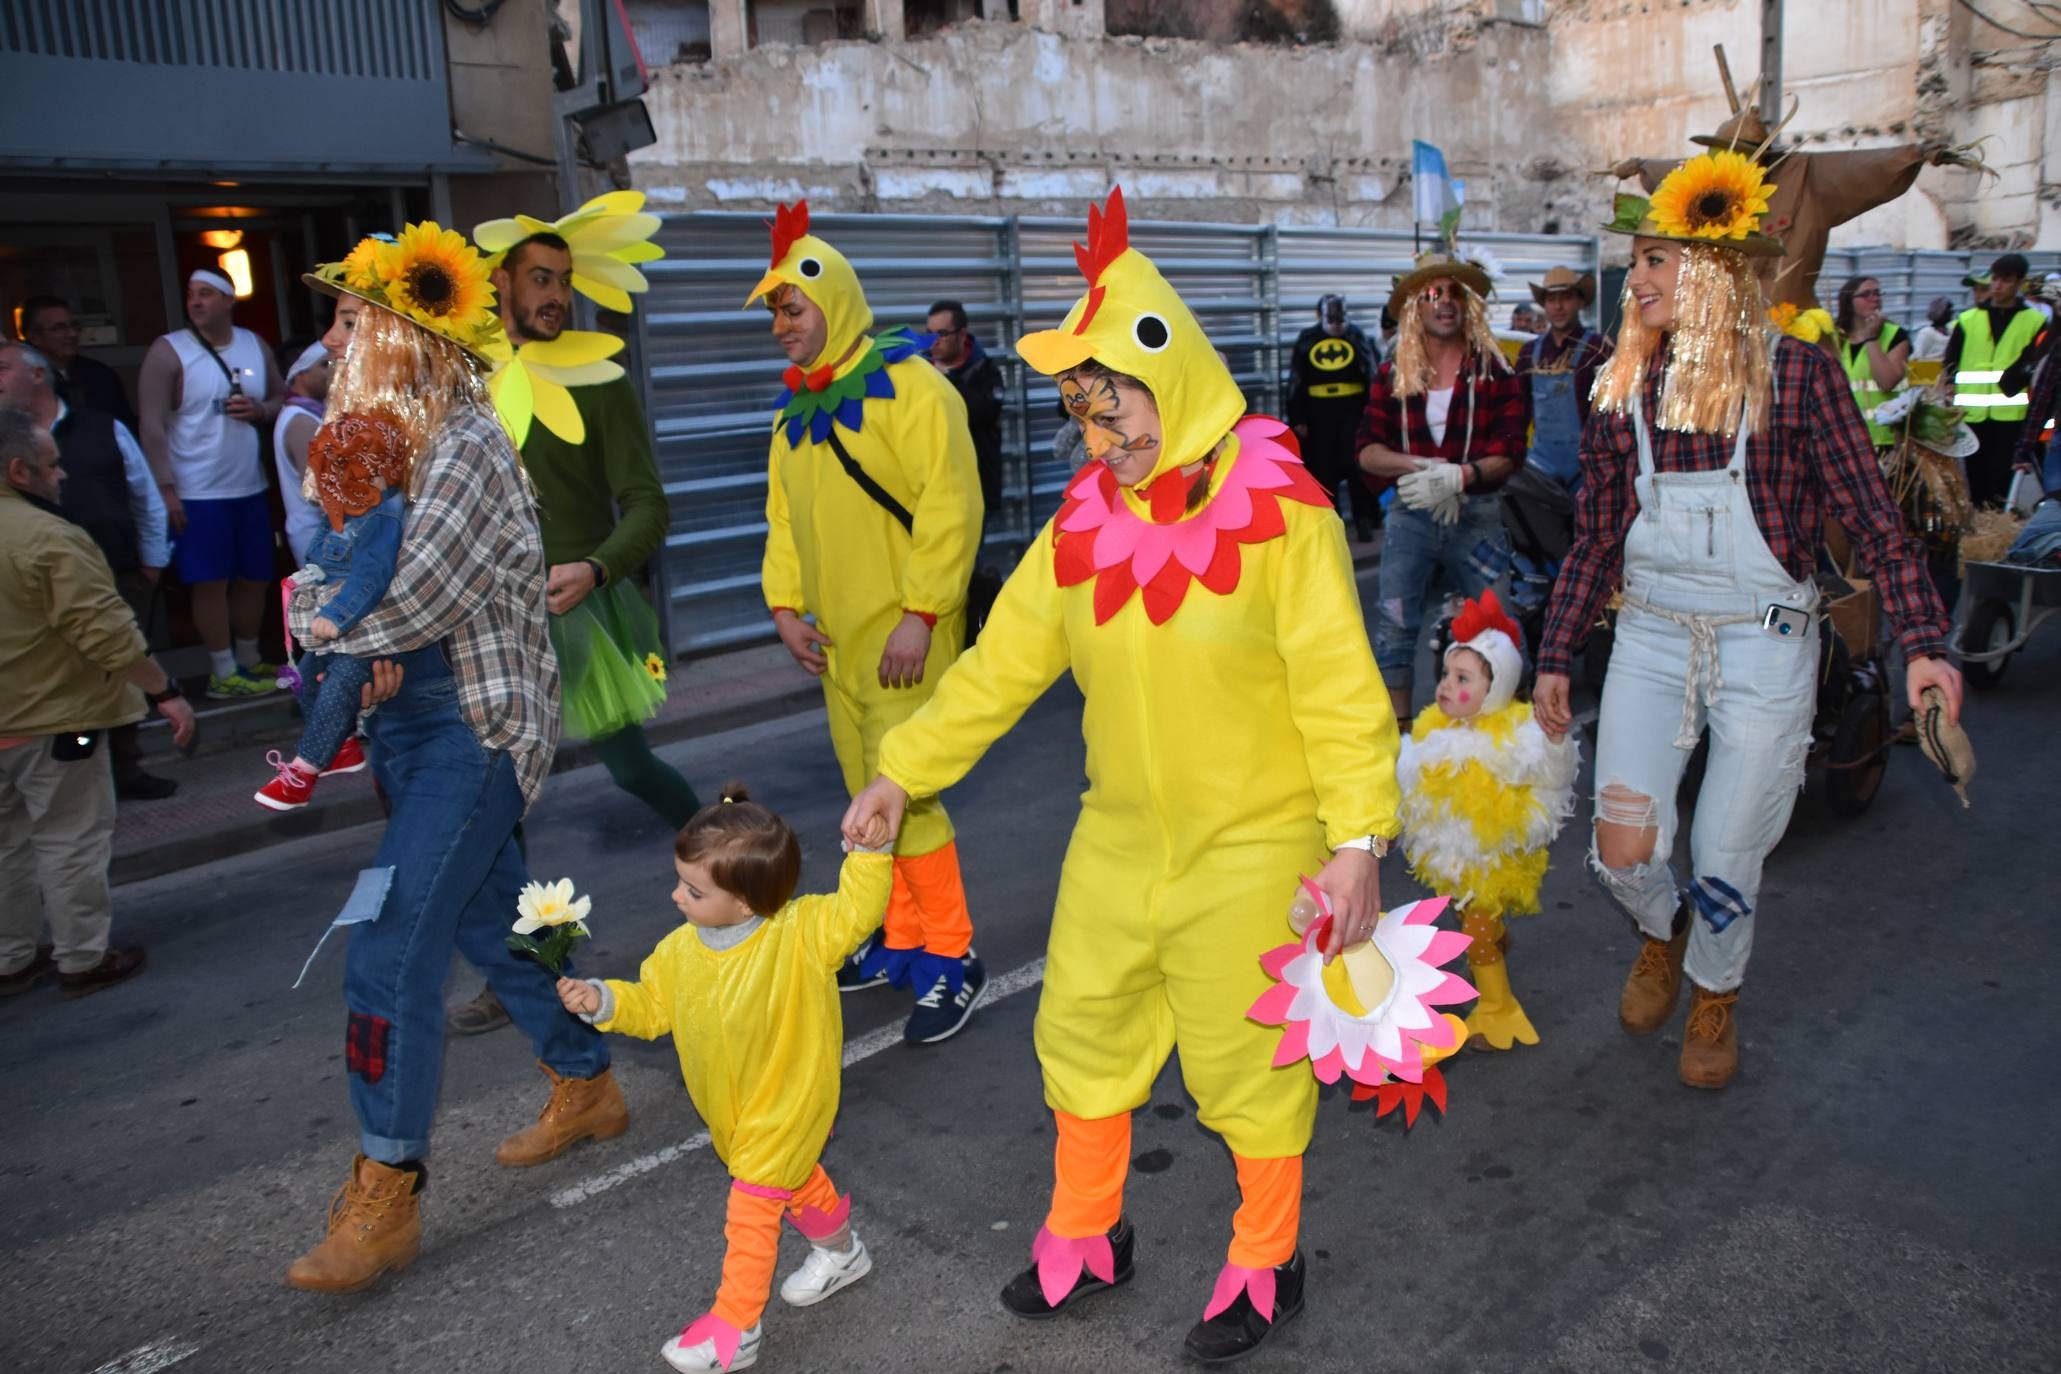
[1691, 651]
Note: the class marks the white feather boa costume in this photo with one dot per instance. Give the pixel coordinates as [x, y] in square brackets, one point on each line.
[1482, 800]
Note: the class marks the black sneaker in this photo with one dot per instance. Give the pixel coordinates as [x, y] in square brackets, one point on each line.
[1240, 1329]
[24, 978]
[1024, 1295]
[941, 1011]
[141, 786]
[852, 975]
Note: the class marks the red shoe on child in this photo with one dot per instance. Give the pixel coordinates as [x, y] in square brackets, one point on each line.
[350, 758]
[293, 787]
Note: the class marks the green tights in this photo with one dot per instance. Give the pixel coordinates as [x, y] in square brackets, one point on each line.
[627, 756]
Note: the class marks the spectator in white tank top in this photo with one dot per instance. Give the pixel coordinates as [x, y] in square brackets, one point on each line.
[204, 393]
[307, 387]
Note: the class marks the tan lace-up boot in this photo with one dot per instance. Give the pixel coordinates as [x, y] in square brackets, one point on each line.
[1710, 1044]
[579, 1109]
[375, 1224]
[1655, 982]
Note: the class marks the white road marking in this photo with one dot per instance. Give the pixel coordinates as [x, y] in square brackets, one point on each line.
[148, 1359]
[855, 1051]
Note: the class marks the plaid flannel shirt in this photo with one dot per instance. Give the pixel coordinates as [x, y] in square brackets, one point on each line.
[471, 571]
[1502, 418]
[1814, 457]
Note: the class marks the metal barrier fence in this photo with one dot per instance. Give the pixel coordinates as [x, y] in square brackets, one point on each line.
[712, 372]
[1911, 278]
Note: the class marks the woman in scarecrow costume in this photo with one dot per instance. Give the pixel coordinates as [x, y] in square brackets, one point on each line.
[873, 518]
[1196, 583]
[1715, 449]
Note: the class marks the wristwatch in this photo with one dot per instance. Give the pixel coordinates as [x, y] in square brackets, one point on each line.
[1377, 845]
[171, 692]
[600, 573]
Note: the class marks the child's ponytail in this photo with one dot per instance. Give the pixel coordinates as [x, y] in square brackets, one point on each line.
[747, 849]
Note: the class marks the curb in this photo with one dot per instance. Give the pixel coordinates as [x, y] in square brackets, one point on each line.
[192, 851]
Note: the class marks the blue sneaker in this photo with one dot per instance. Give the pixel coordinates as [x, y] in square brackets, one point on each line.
[941, 1011]
[852, 975]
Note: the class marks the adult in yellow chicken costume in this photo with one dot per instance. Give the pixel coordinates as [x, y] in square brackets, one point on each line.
[873, 518]
[1197, 584]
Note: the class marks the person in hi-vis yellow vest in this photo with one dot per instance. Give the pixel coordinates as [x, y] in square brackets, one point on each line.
[873, 516]
[1989, 357]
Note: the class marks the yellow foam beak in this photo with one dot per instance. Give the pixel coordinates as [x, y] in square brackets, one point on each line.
[1053, 351]
[766, 283]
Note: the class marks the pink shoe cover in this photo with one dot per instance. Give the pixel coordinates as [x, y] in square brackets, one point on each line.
[1061, 1259]
[1233, 1278]
[817, 1224]
[710, 1327]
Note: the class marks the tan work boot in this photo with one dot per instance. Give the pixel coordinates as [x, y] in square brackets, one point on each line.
[1656, 980]
[375, 1224]
[579, 1109]
[1710, 1044]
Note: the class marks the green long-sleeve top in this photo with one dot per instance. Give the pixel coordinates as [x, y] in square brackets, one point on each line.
[580, 489]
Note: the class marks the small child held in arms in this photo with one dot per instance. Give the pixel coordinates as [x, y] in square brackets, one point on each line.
[748, 990]
[358, 465]
[1484, 792]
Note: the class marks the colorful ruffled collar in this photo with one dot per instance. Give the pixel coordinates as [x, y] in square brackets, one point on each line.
[813, 401]
[1100, 533]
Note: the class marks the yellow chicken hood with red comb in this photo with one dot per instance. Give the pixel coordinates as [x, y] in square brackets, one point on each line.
[1132, 321]
[812, 267]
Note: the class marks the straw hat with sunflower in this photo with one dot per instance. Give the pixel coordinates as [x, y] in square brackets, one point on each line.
[1715, 198]
[430, 275]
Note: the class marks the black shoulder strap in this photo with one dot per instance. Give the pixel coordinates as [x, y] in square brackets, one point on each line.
[201, 339]
[872, 488]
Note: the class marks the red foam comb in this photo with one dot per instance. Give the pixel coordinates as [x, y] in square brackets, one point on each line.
[1109, 234]
[1486, 614]
[790, 222]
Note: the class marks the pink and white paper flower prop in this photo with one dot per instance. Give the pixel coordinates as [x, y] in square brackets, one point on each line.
[1371, 1015]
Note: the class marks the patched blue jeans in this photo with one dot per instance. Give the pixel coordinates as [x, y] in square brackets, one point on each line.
[456, 871]
[1417, 552]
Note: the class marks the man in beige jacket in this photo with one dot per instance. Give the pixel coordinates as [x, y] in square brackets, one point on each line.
[72, 664]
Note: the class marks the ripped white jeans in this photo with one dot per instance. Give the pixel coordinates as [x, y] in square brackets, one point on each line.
[1759, 719]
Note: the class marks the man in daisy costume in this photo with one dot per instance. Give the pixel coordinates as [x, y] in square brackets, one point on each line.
[601, 508]
[1197, 585]
[1714, 451]
[873, 517]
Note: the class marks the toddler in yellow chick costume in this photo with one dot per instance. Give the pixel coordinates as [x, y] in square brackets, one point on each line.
[1485, 790]
[1197, 584]
[873, 517]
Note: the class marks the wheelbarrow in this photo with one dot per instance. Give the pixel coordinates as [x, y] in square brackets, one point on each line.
[2006, 603]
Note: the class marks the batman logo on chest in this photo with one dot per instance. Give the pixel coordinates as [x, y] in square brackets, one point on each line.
[1332, 355]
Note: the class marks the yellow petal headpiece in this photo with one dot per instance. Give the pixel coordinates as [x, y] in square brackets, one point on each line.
[607, 237]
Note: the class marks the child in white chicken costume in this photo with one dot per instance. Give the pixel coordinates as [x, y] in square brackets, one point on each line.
[1484, 793]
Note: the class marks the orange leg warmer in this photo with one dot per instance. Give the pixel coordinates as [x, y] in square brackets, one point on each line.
[1088, 1168]
[752, 1233]
[1264, 1229]
[927, 907]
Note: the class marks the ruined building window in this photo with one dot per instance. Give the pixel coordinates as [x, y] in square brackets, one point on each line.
[804, 22]
[921, 17]
[669, 31]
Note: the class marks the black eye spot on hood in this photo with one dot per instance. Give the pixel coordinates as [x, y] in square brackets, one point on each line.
[809, 268]
[1151, 333]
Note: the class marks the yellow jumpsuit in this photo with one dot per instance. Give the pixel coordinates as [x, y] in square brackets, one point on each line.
[832, 552]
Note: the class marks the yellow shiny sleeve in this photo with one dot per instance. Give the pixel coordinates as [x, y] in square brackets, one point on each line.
[1022, 650]
[780, 575]
[935, 450]
[833, 924]
[641, 1008]
[1335, 693]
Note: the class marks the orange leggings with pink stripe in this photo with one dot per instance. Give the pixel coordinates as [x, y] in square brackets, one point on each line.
[751, 1232]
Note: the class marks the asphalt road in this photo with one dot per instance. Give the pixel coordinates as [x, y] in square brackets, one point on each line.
[1876, 1192]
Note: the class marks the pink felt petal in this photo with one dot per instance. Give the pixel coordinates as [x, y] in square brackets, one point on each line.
[1154, 548]
[760, 1190]
[1453, 989]
[817, 1224]
[1117, 540]
[1236, 1278]
[1060, 1261]
[1271, 1007]
[1277, 959]
[1329, 1067]
[1195, 543]
[1295, 1044]
[1440, 1036]
[1446, 946]
[710, 1327]
[1233, 507]
[1429, 910]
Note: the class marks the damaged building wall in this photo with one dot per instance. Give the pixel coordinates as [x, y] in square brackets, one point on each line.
[1526, 97]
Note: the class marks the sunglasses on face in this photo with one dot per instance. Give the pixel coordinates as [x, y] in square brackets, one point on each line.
[1432, 295]
[1867, 295]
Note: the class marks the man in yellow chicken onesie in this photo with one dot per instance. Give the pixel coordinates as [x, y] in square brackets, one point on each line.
[873, 517]
[1197, 583]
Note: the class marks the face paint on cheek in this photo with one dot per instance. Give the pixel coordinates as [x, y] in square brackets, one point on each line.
[1463, 696]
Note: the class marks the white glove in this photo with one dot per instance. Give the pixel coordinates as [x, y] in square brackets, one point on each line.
[1433, 488]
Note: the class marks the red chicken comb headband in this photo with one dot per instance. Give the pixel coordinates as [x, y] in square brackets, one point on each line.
[1109, 237]
[1484, 627]
[790, 222]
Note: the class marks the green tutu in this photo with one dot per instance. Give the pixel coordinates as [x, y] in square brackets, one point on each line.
[612, 666]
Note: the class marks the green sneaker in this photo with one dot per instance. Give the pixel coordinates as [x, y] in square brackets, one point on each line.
[262, 671]
[237, 686]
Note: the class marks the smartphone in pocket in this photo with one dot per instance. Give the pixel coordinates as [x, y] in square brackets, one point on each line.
[74, 745]
[1785, 622]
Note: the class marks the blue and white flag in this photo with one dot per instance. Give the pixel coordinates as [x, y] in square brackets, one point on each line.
[1437, 194]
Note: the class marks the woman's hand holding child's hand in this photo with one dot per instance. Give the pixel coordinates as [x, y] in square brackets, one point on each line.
[579, 996]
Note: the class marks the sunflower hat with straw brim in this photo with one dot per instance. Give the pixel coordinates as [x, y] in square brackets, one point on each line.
[606, 238]
[430, 275]
[1716, 198]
